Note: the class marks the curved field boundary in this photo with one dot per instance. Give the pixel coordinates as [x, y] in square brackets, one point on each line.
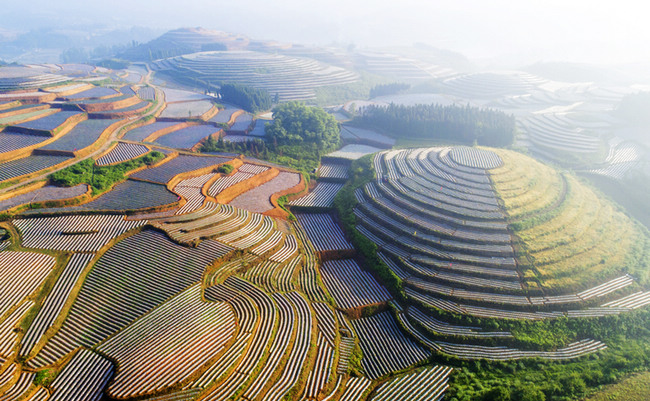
[194, 332]
[8, 336]
[350, 286]
[226, 195]
[83, 378]
[23, 273]
[55, 301]
[73, 233]
[428, 384]
[169, 270]
[121, 152]
[260, 198]
[20, 388]
[385, 348]
[45, 195]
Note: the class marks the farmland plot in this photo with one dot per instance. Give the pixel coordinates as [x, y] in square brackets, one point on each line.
[350, 286]
[22, 274]
[73, 233]
[122, 152]
[11, 140]
[186, 138]
[169, 270]
[180, 335]
[28, 165]
[321, 196]
[180, 164]
[81, 136]
[140, 133]
[46, 193]
[323, 233]
[83, 378]
[193, 109]
[385, 348]
[258, 199]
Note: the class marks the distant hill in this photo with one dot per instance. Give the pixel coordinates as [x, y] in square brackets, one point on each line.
[576, 72]
[184, 41]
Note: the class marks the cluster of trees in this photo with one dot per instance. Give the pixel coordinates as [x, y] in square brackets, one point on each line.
[296, 124]
[389, 89]
[457, 124]
[297, 138]
[246, 97]
[100, 178]
[302, 158]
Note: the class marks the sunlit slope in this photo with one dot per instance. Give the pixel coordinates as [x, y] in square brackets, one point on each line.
[570, 237]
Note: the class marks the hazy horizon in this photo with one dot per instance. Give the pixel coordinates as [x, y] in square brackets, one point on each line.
[605, 33]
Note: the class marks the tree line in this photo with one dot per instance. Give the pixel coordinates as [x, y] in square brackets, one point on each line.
[459, 124]
[246, 97]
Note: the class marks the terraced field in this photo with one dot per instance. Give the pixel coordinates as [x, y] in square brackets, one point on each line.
[572, 236]
[186, 138]
[258, 199]
[291, 78]
[187, 283]
[28, 165]
[81, 136]
[181, 164]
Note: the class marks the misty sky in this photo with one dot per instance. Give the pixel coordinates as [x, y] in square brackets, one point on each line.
[606, 32]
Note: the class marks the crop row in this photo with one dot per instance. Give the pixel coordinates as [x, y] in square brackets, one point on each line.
[186, 138]
[81, 136]
[469, 351]
[11, 140]
[28, 165]
[375, 216]
[55, 301]
[19, 389]
[320, 374]
[46, 193]
[191, 190]
[321, 196]
[289, 248]
[49, 123]
[350, 286]
[151, 277]
[334, 170]
[131, 195]
[428, 384]
[298, 356]
[187, 332]
[354, 388]
[122, 152]
[281, 345]
[23, 273]
[8, 335]
[406, 246]
[258, 199]
[385, 348]
[475, 158]
[244, 173]
[326, 321]
[478, 230]
[266, 316]
[83, 378]
[74, 232]
[323, 232]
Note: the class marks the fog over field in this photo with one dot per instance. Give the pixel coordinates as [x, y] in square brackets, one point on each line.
[604, 32]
